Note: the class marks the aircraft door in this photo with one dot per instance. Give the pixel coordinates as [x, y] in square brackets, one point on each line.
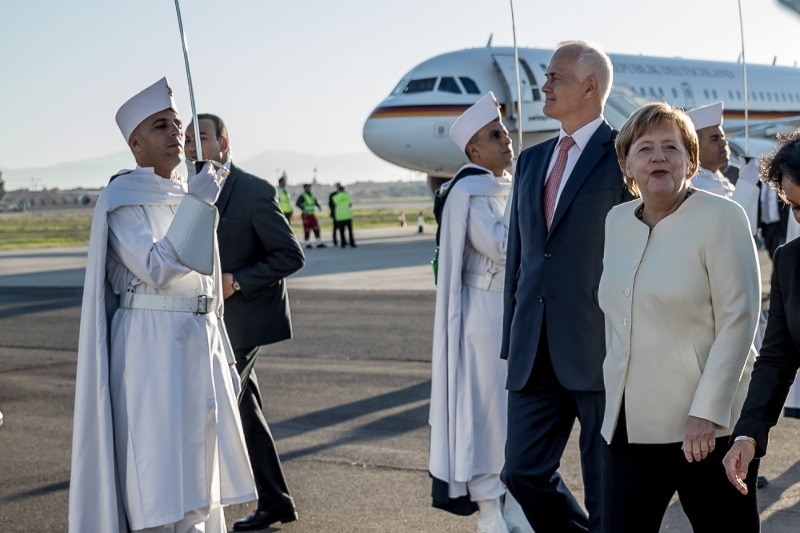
[505, 66]
[688, 97]
[533, 119]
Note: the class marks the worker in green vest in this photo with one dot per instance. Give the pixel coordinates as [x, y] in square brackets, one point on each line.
[343, 214]
[308, 205]
[285, 200]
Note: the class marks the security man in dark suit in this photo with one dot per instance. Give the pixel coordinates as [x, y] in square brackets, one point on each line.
[776, 367]
[257, 249]
[553, 328]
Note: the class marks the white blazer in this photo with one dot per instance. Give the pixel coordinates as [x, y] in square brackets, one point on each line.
[681, 304]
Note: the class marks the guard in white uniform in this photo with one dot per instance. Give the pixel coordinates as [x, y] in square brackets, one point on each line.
[157, 441]
[715, 155]
[468, 396]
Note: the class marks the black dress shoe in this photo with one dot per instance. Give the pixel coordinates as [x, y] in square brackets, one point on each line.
[762, 482]
[264, 518]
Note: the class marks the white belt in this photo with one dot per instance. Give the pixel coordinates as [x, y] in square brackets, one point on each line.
[191, 304]
[487, 283]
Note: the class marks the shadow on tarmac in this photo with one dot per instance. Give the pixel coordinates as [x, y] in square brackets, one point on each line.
[39, 491]
[386, 427]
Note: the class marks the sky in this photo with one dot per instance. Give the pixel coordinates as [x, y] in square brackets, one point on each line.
[302, 76]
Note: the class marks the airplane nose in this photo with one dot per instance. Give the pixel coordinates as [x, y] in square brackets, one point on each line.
[380, 137]
[412, 138]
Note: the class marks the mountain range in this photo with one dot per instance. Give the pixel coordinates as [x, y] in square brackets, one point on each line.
[299, 168]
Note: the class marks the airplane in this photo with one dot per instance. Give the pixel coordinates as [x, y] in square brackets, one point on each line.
[411, 127]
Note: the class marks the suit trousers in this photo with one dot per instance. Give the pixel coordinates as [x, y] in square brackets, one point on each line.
[639, 481]
[540, 420]
[774, 235]
[348, 224]
[273, 493]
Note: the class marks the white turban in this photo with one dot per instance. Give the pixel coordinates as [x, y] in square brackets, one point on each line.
[150, 101]
[706, 116]
[473, 119]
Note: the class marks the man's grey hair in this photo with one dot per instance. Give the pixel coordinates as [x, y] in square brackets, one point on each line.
[592, 61]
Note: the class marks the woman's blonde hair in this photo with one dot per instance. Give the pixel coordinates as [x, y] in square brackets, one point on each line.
[645, 119]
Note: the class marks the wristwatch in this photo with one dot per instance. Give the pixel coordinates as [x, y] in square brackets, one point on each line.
[236, 286]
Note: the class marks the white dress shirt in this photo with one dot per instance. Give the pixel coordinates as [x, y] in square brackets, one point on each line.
[581, 138]
[770, 212]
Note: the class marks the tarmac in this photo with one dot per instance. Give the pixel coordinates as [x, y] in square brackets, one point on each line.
[347, 399]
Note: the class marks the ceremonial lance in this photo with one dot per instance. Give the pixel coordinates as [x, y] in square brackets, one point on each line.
[519, 85]
[507, 215]
[226, 344]
[191, 87]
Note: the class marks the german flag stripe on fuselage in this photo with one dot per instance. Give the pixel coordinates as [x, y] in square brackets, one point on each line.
[738, 114]
[445, 110]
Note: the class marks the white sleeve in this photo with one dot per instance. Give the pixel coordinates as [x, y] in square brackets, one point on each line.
[485, 232]
[747, 195]
[154, 262]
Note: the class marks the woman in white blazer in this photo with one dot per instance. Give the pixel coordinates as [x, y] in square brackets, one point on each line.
[681, 293]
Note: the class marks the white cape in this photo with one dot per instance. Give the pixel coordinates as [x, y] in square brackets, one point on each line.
[95, 502]
[454, 457]
[744, 193]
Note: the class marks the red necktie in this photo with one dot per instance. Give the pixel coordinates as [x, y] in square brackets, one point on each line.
[554, 180]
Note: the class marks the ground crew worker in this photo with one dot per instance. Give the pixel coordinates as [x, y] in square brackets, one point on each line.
[285, 200]
[308, 204]
[343, 214]
[332, 207]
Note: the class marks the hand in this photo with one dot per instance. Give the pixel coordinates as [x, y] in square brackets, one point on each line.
[699, 438]
[736, 462]
[207, 184]
[227, 286]
[748, 169]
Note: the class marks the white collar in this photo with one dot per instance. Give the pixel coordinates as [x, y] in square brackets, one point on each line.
[152, 171]
[584, 134]
[505, 175]
[717, 174]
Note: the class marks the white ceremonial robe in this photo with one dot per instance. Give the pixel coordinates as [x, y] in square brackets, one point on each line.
[744, 193]
[157, 432]
[468, 412]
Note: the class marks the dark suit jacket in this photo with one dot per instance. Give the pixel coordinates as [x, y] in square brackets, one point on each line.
[777, 363]
[557, 273]
[257, 246]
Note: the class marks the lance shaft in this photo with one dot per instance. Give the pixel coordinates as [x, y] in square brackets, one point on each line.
[189, 79]
[744, 81]
[516, 74]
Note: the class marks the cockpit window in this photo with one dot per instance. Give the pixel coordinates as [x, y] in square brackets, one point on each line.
[399, 87]
[421, 85]
[470, 86]
[449, 85]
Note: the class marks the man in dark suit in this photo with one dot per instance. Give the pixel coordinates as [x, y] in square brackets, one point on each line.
[779, 359]
[553, 328]
[257, 251]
